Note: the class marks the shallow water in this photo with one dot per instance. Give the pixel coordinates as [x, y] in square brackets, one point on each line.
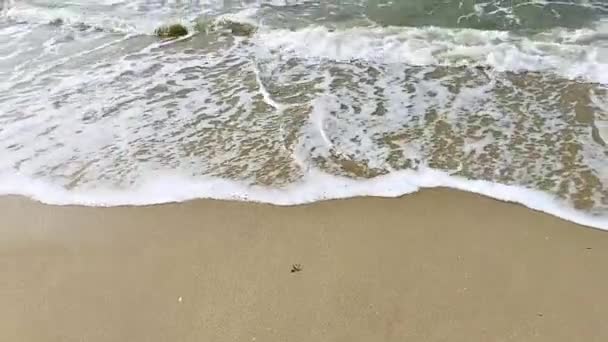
[327, 99]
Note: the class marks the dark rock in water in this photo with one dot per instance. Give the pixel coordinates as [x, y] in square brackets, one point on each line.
[225, 26]
[241, 29]
[483, 67]
[171, 31]
[82, 27]
[56, 22]
[234, 27]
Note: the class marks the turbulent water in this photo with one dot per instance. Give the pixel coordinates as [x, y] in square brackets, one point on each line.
[326, 99]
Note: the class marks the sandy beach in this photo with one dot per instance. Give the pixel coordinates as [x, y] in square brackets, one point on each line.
[120, 120]
[439, 265]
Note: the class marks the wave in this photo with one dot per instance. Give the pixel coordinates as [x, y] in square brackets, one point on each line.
[574, 54]
[161, 188]
[571, 53]
[146, 103]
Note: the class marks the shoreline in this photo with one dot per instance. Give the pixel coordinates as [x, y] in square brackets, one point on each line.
[434, 265]
[397, 184]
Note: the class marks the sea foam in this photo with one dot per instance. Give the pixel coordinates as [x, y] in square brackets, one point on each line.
[574, 54]
[142, 107]
[161, 188]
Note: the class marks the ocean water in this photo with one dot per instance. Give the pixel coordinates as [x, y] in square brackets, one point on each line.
[326, 99]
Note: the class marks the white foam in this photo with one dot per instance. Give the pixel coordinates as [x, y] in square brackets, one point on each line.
[570, 53]
[117, 16]
[555, 52]
[167, 188]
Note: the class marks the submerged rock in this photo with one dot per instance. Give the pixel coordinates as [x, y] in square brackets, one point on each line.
[224, 26]
[171, 31]
[233, 27]
[240, 29]
[56, 22]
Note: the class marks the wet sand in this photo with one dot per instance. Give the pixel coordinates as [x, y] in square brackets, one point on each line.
[439, 265]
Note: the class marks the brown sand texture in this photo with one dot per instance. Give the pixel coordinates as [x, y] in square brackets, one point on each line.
[439, 265]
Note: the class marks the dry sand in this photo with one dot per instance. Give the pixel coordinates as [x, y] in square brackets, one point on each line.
[439, 265]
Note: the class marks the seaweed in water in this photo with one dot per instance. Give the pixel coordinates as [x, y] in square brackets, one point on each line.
[171, 31]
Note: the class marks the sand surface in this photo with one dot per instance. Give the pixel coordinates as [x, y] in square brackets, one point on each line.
[439, 265]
